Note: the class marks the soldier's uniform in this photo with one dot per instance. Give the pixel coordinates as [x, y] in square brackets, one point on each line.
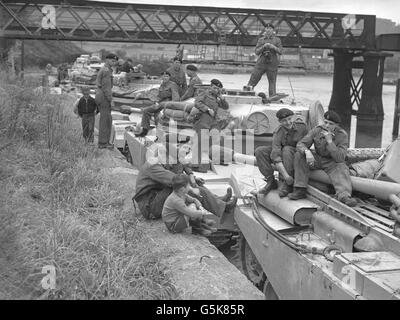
[168, 91]
[283, 149]
[203, 120]
[328, 157]
[154, 185]
[191, 90]
[104, 83]
[267, 62]
[179, 77]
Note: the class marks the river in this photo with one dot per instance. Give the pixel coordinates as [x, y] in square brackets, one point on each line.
[308, 88]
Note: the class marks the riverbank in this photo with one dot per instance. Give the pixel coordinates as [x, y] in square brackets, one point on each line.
[67, 206]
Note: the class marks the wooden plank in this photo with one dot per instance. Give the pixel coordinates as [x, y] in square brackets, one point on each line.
[376, 217]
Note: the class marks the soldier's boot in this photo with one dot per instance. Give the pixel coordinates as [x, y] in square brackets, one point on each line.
[271, 185]
[298, 193]
[284, 189]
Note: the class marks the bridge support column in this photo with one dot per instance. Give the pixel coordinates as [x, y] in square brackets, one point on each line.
[370, 112]
[341, 96]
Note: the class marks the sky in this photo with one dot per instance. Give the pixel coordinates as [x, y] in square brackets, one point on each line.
[389, 9]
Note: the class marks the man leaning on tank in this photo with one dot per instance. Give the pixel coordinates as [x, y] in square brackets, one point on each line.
[331, 143]
[281, 153]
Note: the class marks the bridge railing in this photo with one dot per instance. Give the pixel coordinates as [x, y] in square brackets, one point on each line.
[121, 22]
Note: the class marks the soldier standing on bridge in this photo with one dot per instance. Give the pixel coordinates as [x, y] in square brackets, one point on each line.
[281, 153]
[268, 48]
[178, 75]
[104, 83]
[331, 143]
[190, 92]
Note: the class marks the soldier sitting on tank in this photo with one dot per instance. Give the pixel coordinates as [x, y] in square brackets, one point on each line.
[331, 143]
[181, 210]
[154, 185]
[178, 76]
[168, 91]
[281, 153]
[190, 92]
[205, 115]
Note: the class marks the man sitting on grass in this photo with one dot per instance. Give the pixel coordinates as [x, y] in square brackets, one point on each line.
[181, 210]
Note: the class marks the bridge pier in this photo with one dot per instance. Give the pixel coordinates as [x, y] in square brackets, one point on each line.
[370, 112]
[341, 98]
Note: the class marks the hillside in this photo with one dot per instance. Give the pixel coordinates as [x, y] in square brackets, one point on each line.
[38, 53]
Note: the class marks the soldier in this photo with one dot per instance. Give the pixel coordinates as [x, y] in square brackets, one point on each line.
[281, 153]
[154, 185]
[190, 92]
[268, 48]
[178, 75]
[168, 91]
[204, 116]
[331, 143]
[104, 83]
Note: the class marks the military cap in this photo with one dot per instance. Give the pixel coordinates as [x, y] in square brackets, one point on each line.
[165, 73]
[217, 83]
[191, 67]
[283, 113]
[269, 25]
[112, 56]
[332, 116]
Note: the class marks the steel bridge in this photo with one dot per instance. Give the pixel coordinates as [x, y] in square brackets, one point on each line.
[121, 22]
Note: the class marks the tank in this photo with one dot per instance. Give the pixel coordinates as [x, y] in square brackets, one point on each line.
[315, 248]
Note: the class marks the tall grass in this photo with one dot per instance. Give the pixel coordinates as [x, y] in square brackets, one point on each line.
[57, 208]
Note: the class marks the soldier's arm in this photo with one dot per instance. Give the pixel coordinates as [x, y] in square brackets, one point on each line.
[181, 207]
[175, 92]
[161, 175]
[199, 104]
[99, 78]
[222, 103]
[276, 153]
[107, 88]
[306, 142]
[278, 46]
[338, 149]
[259, 47]
[189, 91]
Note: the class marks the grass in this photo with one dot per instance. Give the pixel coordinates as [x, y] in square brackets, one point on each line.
[56, 208]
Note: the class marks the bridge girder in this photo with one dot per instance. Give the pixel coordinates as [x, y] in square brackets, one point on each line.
[122, 22]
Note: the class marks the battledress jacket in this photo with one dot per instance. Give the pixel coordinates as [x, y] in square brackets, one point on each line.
[337, 150]
[104, 83]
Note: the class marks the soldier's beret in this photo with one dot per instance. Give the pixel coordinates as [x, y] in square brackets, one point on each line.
[217, 83]
[112, 56]
[165, 73]
[269, 25]
[191, 67]
[283, 113]
[332, 116]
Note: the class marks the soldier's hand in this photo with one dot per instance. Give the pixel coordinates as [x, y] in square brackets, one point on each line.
[310, 158]
[196, 191]
[211, 112]
[199, 181]
[327, 135]
[198, 205]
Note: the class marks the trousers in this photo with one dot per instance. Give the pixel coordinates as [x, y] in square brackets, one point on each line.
[271, 73]
[149, 111]
[264, 162]
[152, 203]
[105, 123]
[88, 127]
[338, 173]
